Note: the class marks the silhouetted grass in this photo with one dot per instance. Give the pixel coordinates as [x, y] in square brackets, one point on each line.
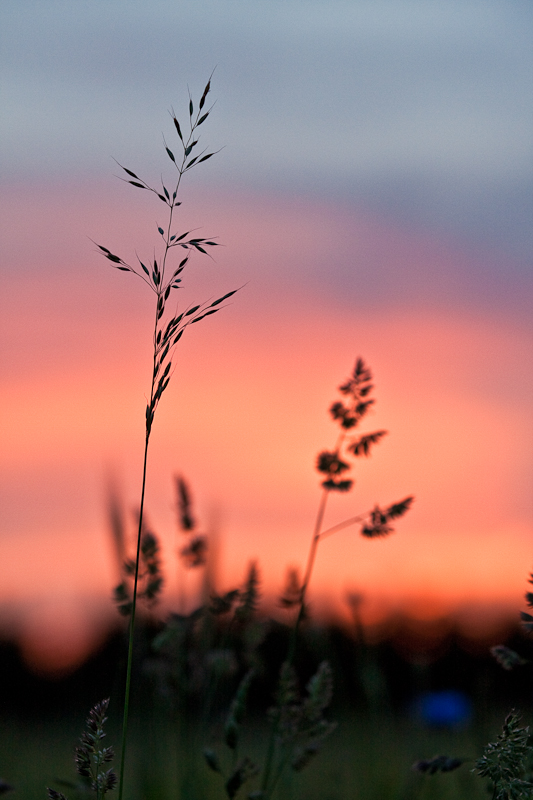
[368, 759]
[223, 702]
[369, 755]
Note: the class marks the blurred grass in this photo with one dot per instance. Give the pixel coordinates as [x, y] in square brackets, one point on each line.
[34, 754]
[368, 757]
[365, 758]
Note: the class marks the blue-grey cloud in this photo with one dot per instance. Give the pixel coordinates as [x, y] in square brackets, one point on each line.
[419, 109]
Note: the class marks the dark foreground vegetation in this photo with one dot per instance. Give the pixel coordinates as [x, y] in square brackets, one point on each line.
[226, 703]
[397, 702]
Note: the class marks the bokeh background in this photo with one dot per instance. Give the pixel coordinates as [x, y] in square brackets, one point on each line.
[373, 195]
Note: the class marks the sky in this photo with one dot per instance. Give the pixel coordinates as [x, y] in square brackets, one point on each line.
[373, 196]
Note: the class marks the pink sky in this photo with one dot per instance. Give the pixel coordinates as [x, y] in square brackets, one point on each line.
[246, 411]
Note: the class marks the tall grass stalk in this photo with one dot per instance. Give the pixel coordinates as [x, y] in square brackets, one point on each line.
[348, 413]
[168, 328]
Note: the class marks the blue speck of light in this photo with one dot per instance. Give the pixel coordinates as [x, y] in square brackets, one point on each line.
[447, 708]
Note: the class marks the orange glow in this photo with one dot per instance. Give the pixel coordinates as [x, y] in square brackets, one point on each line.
[56, 637]
[245, 416]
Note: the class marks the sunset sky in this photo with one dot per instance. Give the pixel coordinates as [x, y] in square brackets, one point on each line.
[373, 195]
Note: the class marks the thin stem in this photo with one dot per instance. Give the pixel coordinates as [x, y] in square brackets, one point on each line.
[127, 690]
[341, 525]
[317, 535]
[162, 291]
[314, 542]
[281, 766]
[132, 626]
[270, 752]
[99, 791]
[159, 292]
[292, 644]
[167, 243]
[308, 572]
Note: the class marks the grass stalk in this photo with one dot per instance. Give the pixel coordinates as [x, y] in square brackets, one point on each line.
[168, 328]
[129, 666]
[291, 654]
[308, 572]
[375, 523]
[131, 632]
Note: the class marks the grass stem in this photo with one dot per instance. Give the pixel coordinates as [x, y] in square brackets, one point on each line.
[291, 654]
[166, 334]
[127, 691]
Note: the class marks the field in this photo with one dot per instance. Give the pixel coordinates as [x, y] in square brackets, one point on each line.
[360, 761]
[224, 701]
[381, 727]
